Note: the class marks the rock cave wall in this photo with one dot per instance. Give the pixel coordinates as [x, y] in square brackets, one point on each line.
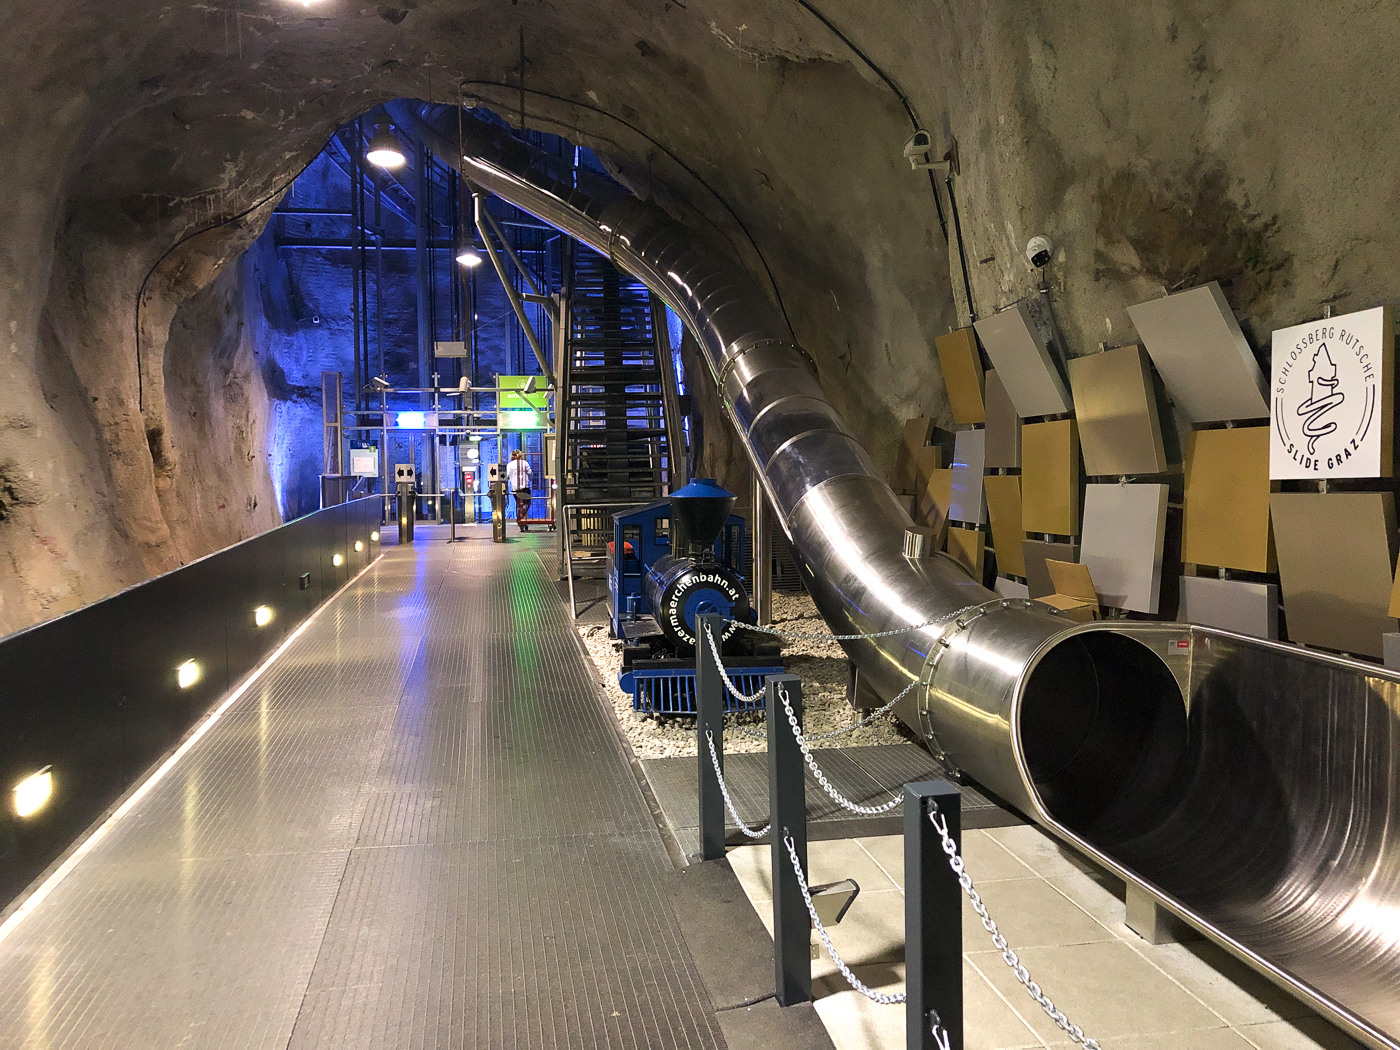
[1159, 145]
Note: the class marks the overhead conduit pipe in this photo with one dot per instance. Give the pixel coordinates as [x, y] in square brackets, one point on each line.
[1166, 752]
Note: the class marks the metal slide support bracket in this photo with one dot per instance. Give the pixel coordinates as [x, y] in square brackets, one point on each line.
[709, 717]
[933, 963]
[787, 799]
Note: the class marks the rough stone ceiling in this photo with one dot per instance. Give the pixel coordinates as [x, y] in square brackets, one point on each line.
[1159, 145]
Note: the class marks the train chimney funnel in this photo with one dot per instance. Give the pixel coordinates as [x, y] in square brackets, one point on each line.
[698, 512]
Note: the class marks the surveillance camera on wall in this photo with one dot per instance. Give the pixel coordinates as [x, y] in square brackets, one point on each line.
[1038, 250]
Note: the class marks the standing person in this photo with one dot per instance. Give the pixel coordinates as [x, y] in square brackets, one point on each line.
[518, 481]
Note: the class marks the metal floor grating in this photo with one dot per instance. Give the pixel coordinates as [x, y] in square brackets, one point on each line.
[866, 775]
[417, 829]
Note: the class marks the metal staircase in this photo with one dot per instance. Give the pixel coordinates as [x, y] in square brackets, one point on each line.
[618, 415]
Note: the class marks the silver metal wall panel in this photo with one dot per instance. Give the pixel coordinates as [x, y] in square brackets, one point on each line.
[1010, 588]
[969, 452]
[1231, 605]
[1023, 362]
[1124, 527]
[1205, 362]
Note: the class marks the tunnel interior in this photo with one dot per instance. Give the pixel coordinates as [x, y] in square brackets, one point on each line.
[1105, 736]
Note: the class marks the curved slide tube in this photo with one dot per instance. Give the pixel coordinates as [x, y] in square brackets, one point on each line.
[1252, 788]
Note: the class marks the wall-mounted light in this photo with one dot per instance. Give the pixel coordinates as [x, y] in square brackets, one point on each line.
[359, 545]
[337, 560]
[262, 615]
[473, 455]
[384, 150]
[374, 536]
[403, 521]
[469, 257]
[412, 420]
[33, 792]
[187, 674]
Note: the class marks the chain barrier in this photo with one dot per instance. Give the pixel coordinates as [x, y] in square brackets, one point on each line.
[855, 982]
[728, 682]
[840, 799]
[749, 699]
[753, 833]
[1075, 1033]
[797, 636]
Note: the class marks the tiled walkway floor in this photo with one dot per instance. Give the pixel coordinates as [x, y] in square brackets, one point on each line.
[1065, 919]
[419, 828]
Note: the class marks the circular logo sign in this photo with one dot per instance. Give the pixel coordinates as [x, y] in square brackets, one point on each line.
[1326, 398]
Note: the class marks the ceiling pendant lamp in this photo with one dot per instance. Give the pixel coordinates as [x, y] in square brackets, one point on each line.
[384, 150]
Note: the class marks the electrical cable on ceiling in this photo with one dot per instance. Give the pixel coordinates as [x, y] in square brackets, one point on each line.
[914, 122]
[772, 283]
[889, 83]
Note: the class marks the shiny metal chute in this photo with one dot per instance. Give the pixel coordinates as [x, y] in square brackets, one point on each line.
[1252, 788]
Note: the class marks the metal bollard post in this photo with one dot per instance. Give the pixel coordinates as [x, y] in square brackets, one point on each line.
[933, 964]
[787, 801]
[709, 715]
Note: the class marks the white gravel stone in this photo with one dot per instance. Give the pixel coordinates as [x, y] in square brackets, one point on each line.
[820, 665]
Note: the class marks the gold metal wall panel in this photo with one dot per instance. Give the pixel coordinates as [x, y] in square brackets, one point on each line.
[916, 434]
[1119, 432]
[1335, 563]
[1036, 553]
[962, 375]
[968, 546]
[1226, 517]
[1004, 507]
[935, 499]
[926, 460]
[1050, 477]
[1003, 425]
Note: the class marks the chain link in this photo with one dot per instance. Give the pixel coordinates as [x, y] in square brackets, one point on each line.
[867, 719]
[855, 982]
[817, 770]
[728, 683]
[753, 833]
[749, 699]
[849, 637]
[1075, 1033]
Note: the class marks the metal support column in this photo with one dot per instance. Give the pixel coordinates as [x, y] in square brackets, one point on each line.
[933, 964]
[761, 538]
[709, 717]
[787, 795]
[511, 293]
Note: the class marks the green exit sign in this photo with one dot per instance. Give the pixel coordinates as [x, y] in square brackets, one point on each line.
[513, 395]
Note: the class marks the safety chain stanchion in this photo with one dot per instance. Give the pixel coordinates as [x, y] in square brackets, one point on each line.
[787, 809]
[709, 719]
[933, 965]
[945, 831]
[795, 724]
[753, 833]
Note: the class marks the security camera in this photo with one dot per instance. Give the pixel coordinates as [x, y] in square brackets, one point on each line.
[1038, 250]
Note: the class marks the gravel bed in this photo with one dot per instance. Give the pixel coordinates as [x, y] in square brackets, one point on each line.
[820, 665]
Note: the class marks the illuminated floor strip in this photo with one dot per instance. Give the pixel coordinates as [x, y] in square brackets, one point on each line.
[88, 844]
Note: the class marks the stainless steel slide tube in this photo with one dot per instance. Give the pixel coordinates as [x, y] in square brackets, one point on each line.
[1252, 788]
